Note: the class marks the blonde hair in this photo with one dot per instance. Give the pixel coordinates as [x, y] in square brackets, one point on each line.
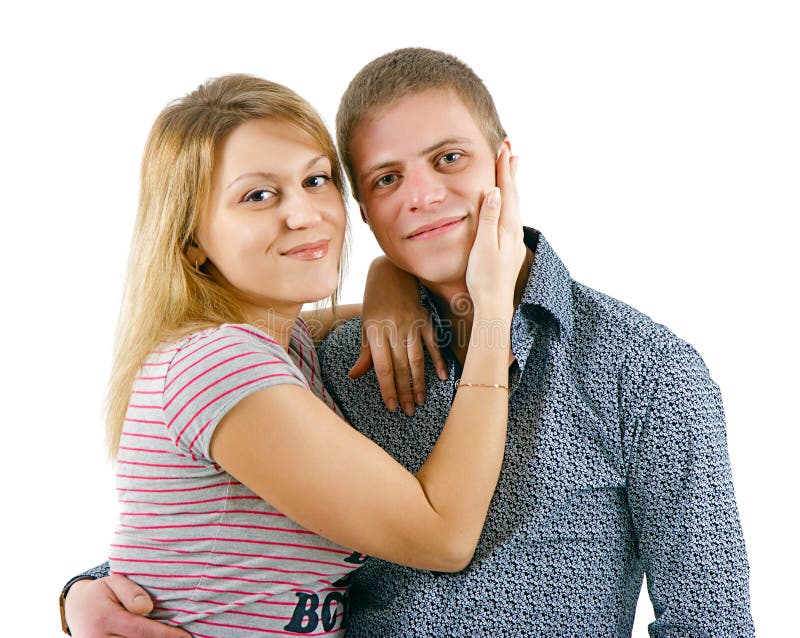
[165, 295]
[406, 72]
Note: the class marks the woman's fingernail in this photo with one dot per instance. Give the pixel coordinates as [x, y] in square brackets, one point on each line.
[392, 405]
[494, 197]
[420, 398]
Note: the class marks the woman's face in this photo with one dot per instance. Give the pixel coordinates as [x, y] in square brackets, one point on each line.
[275, 222]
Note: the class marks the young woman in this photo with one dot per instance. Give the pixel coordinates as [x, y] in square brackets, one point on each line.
[246, 499]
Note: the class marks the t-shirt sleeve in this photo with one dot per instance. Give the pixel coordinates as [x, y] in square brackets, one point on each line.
[211, 374]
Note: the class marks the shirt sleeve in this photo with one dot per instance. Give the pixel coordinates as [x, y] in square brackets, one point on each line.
[682, 503]
[210, 375]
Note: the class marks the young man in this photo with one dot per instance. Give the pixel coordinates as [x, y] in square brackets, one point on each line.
[616, 463]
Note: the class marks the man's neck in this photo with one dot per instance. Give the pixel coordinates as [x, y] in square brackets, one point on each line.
[455, 306]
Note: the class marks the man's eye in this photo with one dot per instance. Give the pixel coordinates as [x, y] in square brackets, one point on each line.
[386, 180]
[259, 195]
[448, 158]
[316, 181]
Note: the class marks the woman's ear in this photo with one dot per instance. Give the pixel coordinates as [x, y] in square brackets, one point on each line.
[195, 254]
[363, 214]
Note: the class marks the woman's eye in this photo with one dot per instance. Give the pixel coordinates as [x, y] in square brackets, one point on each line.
[316, 181]
[386, 180]
[448, 158]
[259, 195]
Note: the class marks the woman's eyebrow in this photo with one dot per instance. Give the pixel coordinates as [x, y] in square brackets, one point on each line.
[310, 163]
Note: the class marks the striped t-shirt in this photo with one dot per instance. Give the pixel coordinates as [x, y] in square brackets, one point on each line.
[216, 558]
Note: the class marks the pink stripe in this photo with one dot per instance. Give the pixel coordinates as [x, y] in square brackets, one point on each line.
[217, 591]
[222, 565]
[207, 370]
[206, 500]
[211, 385]
[304, 326]
[183, 489]
[149, 451]
[149, 378]
[196, 513]
[233, 602]
[226, 393]
[208, 589]
[264, 631]
[248, 614]
[147, 436]
[197, 436]
[144, 421]
[172, 550]
[146, 392]
[256, 334]
[227, 346]
[230, 525]
[151, 478]
[283, 603]
[161, 363]
[144, 407]
[187, 467]
[236, 579]
[249, 541]
[202, 346]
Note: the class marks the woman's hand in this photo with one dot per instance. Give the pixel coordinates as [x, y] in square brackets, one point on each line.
[499, 251]
[394, 327]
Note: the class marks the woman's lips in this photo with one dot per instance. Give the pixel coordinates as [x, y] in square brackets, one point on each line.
[438, 230]
[309, 252]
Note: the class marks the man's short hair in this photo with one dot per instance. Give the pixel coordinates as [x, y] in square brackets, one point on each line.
[406, 72]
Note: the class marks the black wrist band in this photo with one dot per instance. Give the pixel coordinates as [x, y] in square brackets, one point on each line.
[62, 599]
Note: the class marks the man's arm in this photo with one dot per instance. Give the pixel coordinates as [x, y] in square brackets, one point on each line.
[96, 605]
[682, 503]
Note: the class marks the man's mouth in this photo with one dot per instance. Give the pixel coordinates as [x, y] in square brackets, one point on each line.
[436, 228]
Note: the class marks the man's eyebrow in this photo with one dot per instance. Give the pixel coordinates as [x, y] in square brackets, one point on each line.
[445, 142]
[433, 147]
[310, 163]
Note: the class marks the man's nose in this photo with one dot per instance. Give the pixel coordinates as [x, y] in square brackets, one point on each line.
[425, 189]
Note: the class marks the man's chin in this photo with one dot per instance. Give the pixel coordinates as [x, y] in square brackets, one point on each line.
[440, 270]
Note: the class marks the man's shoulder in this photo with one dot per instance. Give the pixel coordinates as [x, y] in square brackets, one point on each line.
[339, 351]
[605, 322]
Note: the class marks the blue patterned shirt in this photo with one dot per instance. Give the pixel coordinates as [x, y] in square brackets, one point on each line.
[616, 465]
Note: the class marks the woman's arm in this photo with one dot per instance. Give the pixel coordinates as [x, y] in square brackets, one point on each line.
[290, 449]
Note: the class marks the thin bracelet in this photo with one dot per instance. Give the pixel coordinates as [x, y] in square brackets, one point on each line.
[497, 386]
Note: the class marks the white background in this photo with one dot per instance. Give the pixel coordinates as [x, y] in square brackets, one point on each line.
[660, 155]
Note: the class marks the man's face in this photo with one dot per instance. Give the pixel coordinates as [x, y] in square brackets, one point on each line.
[422, 166]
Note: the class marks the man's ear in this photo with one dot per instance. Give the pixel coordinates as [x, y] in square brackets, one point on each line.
[195, 254]
[505, 144]
[363, 214]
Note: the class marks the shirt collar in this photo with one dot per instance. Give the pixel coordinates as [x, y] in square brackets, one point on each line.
[549, 286]
[547, 292]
